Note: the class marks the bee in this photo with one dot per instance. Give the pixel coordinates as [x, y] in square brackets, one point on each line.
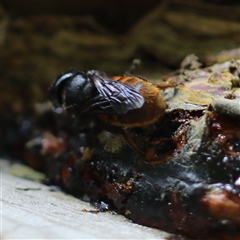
[123, 101]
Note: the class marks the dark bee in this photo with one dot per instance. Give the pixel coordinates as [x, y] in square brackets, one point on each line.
[119, 103]
[124, 101]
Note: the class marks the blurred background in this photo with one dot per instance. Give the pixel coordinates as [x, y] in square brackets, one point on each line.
[42, 38]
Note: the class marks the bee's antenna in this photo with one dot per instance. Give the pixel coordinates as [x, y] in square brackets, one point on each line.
[135, 64]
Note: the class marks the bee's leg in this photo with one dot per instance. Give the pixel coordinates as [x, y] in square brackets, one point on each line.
[130, 141]
[108, 127]
[148, 153]
[135, 64]
[124, 132]
[149, 157]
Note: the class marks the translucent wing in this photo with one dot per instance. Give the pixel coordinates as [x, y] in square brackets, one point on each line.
[121, 97]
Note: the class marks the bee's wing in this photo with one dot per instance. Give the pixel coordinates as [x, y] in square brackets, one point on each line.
[121, 97]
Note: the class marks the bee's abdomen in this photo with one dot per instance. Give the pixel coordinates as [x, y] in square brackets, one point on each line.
[152, 109]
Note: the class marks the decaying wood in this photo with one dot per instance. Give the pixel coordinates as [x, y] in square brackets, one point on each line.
[193, 152]
[187, 180]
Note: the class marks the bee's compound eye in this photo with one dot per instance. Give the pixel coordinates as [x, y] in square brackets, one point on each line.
[56, 90]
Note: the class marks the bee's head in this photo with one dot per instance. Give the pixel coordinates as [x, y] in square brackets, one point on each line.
[56, 91]
[71, 90]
